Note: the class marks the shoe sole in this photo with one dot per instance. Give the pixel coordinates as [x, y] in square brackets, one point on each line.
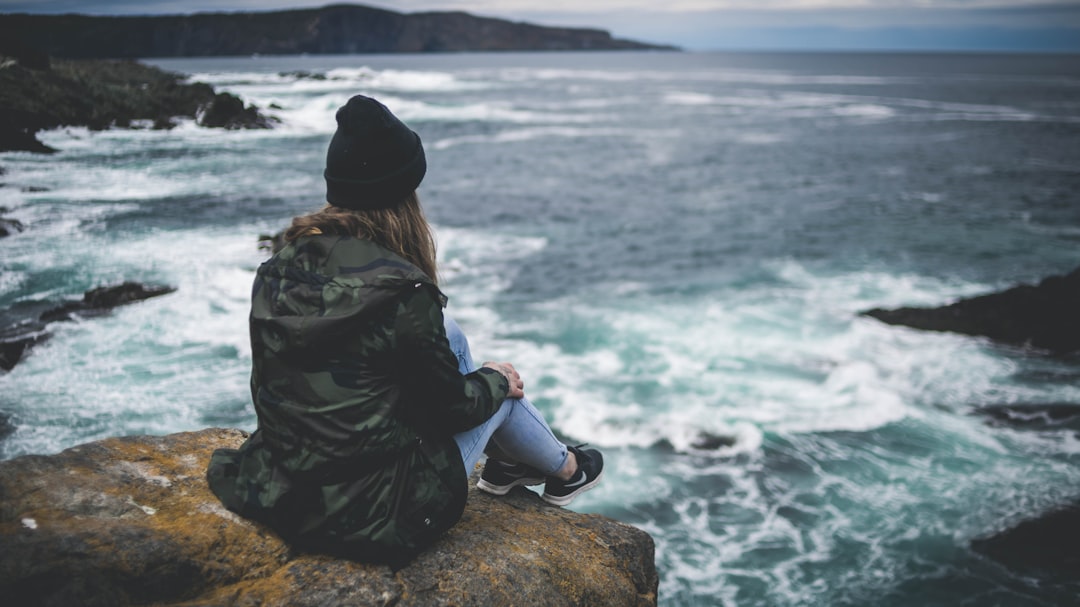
[563, 500]
[504, 489]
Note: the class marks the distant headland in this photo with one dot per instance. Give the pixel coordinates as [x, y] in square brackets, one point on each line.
[336, 29]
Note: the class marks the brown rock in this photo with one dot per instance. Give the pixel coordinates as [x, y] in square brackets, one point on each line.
[130, 521]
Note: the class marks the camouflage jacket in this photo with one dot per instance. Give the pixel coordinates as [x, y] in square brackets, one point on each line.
[358, 397]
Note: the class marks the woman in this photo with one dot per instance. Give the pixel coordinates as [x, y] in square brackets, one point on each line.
[371, 413]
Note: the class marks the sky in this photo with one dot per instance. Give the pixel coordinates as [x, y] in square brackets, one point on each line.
[914, 25]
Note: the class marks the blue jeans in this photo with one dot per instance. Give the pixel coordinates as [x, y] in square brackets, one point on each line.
[517, 429]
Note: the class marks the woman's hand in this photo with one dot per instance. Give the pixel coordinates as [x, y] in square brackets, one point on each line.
[517, 386]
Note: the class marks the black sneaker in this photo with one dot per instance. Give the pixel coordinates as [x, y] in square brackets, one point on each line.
[590, 469]
[499, 477]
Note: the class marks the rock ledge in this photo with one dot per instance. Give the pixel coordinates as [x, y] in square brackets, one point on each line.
[130, 521]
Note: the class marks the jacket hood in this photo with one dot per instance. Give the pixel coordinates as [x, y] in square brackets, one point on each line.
[317, 288]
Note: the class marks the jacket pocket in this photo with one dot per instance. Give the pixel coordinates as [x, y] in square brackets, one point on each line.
[420, 504]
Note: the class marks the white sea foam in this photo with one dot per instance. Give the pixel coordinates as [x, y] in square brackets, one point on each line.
[799, 104]
[714, 76]
[528, 134]
[411, 81]
[228, 78]
[491, 111]
[758, 138]
[12, 280]
[160, 365]
[865, 110]
[688, 98]
[750, 366]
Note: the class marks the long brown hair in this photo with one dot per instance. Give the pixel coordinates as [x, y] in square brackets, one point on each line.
[402, 229]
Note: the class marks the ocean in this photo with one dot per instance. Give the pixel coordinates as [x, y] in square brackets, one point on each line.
[673, 249]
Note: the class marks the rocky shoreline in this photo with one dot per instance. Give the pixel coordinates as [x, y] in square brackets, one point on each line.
[38, 92]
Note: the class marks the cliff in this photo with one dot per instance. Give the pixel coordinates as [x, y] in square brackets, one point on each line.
[130, 521]
[1041, 316]
[337, 29]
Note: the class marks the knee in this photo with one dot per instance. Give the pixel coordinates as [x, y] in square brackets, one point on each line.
[453, 331]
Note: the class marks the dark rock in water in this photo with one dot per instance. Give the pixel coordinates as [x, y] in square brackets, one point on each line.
[17, 136]
[711, 442]
[102, 299]
[1045, 316]
[24, 54]
[227, 111]
[1042, 416]
[7, 428]
[110, 297]
[131, 521]
[19, 337]
[10, 226]
[12, 349]
[33, 189]
[303, 75]
[99, 95]
[1049, 545]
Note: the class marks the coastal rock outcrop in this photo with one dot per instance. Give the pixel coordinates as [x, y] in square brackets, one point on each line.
[131, 521]
[1047, 546]
[23, 334]
[1043, 316]
[36, 95]
[227, 111]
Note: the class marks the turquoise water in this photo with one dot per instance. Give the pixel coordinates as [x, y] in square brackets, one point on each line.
[672, 248]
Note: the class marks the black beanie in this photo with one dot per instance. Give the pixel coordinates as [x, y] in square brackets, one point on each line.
[374, 160]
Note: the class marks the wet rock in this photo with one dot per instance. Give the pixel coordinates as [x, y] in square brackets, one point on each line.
[102, 299]
[21, 137]
[15, 50]
[1035, 416]
[1048, 545]
[708, 441]
[227, 111]
[303, 75]
[23, 333]
[1042, 316]
[7, 427]
[12, 348]
[10, 226]
[131, 520]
